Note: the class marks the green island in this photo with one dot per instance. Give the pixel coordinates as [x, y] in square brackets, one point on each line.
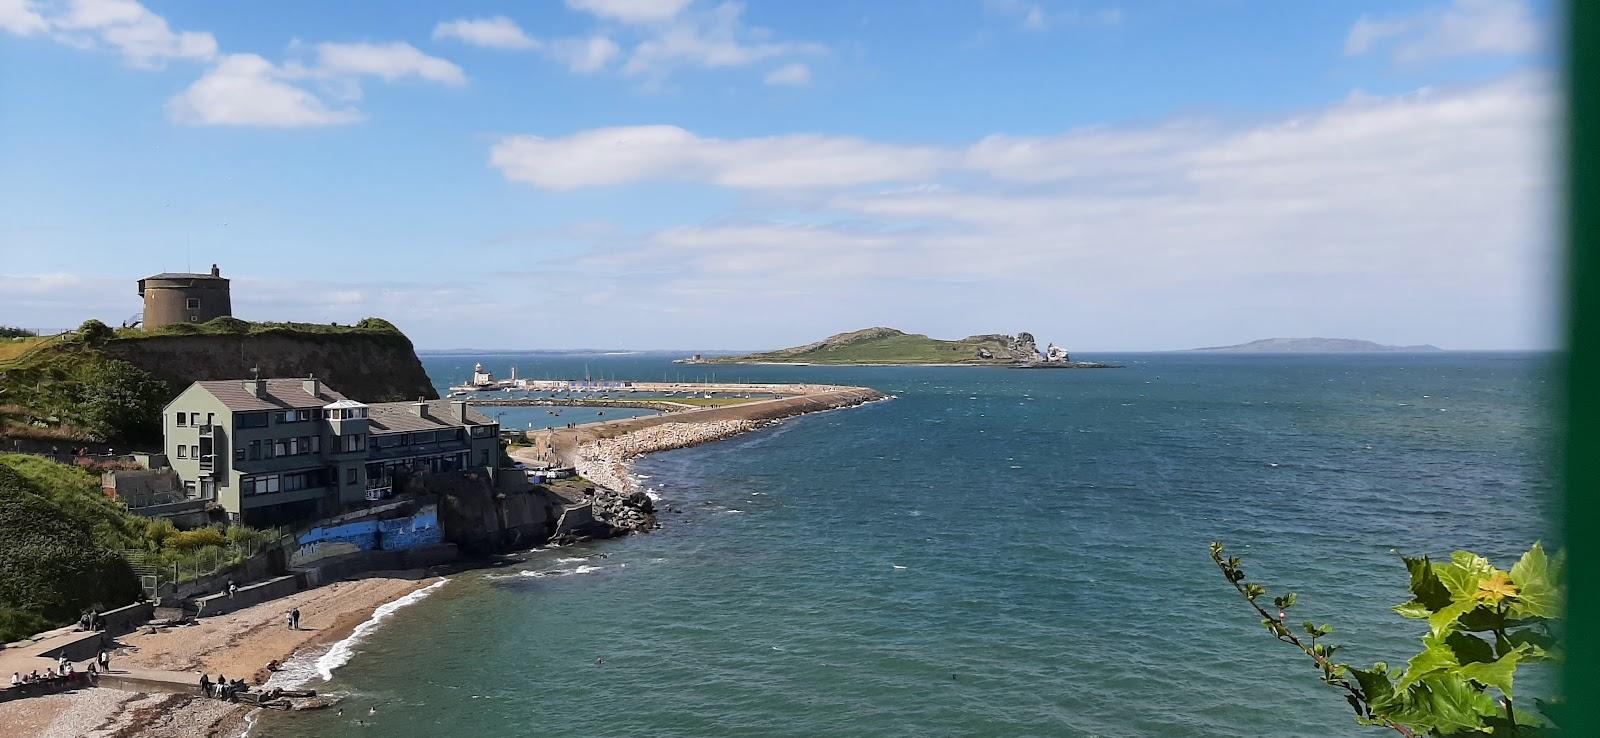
[888, 346]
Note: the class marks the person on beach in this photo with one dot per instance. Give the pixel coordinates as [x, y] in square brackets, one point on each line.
[220, 687]
[288, 617]
[232, 589]
[105, 661]
[294, 615]
[16, 678]
[205, 685]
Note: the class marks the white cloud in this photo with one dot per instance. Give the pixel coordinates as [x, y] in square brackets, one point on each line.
[19, 17]
[632, 11]
[608, 156]
[1033, 16]
[498, 32]
[144, 39]
[390, 61]
[1464, 28]
[247, 90]
[666, 34]
[583, 54]
[1418, 218]
[793, 75]
[711, 40]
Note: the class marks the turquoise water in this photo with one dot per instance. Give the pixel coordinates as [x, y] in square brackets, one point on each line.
[992, 553]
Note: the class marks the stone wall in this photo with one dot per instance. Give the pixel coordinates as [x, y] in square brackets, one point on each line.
[254, 594]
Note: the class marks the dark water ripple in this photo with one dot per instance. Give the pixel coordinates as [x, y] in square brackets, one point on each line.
[1052, 527]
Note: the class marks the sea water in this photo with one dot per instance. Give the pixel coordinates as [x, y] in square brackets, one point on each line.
[994, 552]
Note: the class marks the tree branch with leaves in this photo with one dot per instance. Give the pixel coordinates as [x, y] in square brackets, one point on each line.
[1483, 623]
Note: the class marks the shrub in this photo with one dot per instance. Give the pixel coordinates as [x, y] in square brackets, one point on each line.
[189, 540]
[123, 401]
[94, 331]
[377, 324]
[226, 324]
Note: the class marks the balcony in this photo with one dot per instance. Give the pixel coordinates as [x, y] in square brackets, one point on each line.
[207, 431]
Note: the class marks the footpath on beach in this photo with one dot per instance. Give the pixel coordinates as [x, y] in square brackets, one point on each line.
[600, 451]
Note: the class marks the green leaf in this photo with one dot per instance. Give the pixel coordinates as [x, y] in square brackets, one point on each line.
[1375, 684]
[1469, 649]
[1426, 589]
[1413, 609]
[1445, 703]
[1444, 621]
[1436, 656]
[1497, 674]
[1462, 574]
[1538, 593]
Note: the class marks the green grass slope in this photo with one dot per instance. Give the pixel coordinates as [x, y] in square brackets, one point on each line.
[61, 544]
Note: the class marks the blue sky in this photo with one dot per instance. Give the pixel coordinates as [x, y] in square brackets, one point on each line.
[692, 174]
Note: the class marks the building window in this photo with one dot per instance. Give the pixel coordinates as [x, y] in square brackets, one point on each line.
[183, 451]
[194, 419]
[255, 450]
[316, 444]
[238, 454]
[250, 420]
[350, 476]
[193, 303]
[266, 451]
[183, 420]
[194, 452]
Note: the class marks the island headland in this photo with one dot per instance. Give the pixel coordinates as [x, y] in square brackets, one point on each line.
[890, 347]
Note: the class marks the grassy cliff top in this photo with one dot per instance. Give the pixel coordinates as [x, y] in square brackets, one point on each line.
[102, 384]
[891, 346]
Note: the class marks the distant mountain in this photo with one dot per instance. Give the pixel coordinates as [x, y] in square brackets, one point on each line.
[890, 346]
[1316, 346]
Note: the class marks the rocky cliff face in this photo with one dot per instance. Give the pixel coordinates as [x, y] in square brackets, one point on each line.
[370, 367]
[1001, 347]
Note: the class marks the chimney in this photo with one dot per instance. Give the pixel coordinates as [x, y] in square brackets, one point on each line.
[256, 386]
[215, 272]
[420, 407]
[461, 410]
[312, 386]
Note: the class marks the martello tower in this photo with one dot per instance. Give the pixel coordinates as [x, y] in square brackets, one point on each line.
[178, 297]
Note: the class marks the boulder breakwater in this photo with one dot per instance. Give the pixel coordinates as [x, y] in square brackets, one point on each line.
[601, 451]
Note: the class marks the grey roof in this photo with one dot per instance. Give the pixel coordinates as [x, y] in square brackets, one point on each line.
[280, 394]
[397, 417]
[185, 275]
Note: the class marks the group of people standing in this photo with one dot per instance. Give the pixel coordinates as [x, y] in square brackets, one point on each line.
[222, 689]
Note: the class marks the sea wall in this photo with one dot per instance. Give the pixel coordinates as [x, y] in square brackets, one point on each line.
[418, 529]
[254, 594]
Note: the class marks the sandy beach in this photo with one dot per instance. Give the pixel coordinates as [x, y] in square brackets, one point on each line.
[237, 645]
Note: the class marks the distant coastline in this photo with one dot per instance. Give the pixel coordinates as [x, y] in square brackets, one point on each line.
[1315, 346]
